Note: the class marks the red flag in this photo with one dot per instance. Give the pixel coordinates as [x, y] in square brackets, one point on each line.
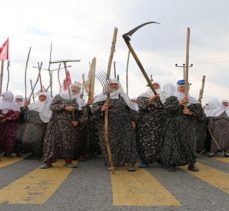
[67, 80]
[4, 50]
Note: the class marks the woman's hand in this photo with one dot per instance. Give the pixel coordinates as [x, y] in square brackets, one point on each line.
[105, 107]
[154, 98]
[186, 111]
[70, 108]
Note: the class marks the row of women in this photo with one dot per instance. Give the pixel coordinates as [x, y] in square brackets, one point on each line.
[168, 128]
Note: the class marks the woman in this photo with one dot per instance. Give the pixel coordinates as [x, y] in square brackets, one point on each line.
[218, 127]
[37, 117]
[60, 139]
[121, 125]
[150, 125]
[9, 116]
[179, 137]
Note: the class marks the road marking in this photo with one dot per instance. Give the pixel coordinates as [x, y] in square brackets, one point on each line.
[139, 188]
[36, 187]
[214, 177]
[222, 159]
[8, 161]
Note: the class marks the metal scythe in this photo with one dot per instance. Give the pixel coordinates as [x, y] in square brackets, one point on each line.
[127, 39]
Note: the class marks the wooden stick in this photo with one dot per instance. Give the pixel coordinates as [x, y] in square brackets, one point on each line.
[106, 119]
[202, 89]
[127, 70]
[31, 85]
[58, 77]
[8, 75]
[187, 63]
[2, 71]
[26, 67]
[38, 77]
[92, 80]
[50, 72]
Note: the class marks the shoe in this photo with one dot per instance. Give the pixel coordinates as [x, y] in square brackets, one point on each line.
[143, 164]
[71, 165]
[211, 154]
[45, 166]
[2, 154]
[131, 168]
[226, 154]
[193, 167]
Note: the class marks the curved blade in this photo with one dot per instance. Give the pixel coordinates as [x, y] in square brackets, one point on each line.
[132, 31]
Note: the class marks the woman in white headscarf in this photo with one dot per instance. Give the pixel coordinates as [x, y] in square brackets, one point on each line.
[219, 129]
[151, 119]
[179, 137]
[121, 125]
[60, 139]
[9, 116]
[38, 115]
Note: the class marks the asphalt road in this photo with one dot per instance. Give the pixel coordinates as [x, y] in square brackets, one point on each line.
[23, 186]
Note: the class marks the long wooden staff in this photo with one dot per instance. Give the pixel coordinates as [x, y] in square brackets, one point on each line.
[106, 119]
[187, 63]
[2, 72]
[8, 75]
[50, 72]
[91, 90]
[202, 89]
[31, 85]
[127, 74]
[26, 67]
[58, 77]
[38, 77]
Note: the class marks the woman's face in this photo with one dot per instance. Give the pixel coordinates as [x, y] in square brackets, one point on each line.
[225, 104]
[114, 86]
[75, 89]
[181, 89]
[42, 98]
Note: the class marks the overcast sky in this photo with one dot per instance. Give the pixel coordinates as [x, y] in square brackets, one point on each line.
[83, 29]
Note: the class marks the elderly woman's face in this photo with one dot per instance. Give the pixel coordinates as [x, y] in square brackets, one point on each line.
[225, 104]
[156, 86]
[114, 86]
[75, 89]
[42, 98]
[181, 89]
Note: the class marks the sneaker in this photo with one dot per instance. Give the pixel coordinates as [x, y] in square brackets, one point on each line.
[27, 156]
[45, 166]
[193, 167]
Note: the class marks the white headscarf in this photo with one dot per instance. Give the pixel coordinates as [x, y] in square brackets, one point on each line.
[80, 101]
[22, 103]
[168, 90]
[115, 95]
[220, 108]
[7, 102]
[211, 106]
[149, 93]
[42, 107]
